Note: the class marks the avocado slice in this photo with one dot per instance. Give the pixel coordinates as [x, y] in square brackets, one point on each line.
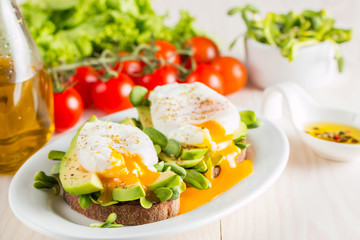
[181, 163]
[217, 160]
[129, 121]
[128, 192]
[193, 153]
[167, 179]
[73, 178]
[240, 132]
[144, 116]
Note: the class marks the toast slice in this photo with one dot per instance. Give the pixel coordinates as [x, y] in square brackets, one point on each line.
[129, 213]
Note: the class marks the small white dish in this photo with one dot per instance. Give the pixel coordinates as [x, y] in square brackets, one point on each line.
[313, 67]
[304, 110]
[49, 214]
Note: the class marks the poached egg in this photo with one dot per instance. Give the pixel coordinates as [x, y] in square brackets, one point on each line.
[118, 153]
[195, 115]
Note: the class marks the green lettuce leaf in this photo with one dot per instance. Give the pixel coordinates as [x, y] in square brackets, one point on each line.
[67, 31]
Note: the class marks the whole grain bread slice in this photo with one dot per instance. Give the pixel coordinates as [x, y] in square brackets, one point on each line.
[131, 213]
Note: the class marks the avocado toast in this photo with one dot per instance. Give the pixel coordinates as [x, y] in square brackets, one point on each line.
[138, 194]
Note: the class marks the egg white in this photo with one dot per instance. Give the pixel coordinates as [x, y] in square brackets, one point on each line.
[177, 108]
[96, 141]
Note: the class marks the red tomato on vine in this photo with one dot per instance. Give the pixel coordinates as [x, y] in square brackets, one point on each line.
[204, 49]
[113, 95]
[68, 108]
[233, 72]
[83, 80]
[163, 75]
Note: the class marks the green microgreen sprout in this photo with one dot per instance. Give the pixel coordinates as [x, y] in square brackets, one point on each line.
[291, 31]
[85, 201]
[109, 223]
[173, 148]
[156, 136]
[249, 118]
[242, 145]
[43, 181]
[56, 155]
[145, 203]
[137, 95]
[197, 180]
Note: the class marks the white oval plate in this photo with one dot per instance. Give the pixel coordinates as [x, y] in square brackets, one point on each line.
[50, 215]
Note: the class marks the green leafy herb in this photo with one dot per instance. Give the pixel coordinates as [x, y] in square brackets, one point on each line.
[145, 203]
[197, 180]
[109, 223]
[242, 145]
[156, 136]
[56, 155]
[137, 95]
[67, 31]
[173, 148]
[292, 31]
[255, 124]
[240, 139]
[163, 193]
[176, 169]
[175, 193]
[43, 181]
[85, 201]
[249, 118]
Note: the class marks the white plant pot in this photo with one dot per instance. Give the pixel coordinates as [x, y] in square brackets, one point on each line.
[314, 66]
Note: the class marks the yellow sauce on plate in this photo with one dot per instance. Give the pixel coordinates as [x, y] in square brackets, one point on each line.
[334, 132]
[193, 198]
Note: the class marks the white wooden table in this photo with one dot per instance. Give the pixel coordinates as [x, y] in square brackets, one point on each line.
[314, 198]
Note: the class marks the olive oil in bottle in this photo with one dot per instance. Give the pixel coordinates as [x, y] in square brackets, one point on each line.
[26, 104]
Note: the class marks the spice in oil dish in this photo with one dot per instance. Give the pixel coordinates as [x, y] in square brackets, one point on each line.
[334, 132]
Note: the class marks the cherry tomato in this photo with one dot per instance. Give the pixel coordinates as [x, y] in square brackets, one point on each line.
[163, 75]
[167, 52]
[84, 79]
[233, 72]
[207, 75]
[204, 49]
[113, 95]
[68, 108]
[129, 67]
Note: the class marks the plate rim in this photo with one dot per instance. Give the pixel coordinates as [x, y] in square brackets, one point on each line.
[254, 193]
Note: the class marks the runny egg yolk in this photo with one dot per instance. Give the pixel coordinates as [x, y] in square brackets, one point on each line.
[230, 174]
[224, 143]
[193, 198]
[129, 169]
